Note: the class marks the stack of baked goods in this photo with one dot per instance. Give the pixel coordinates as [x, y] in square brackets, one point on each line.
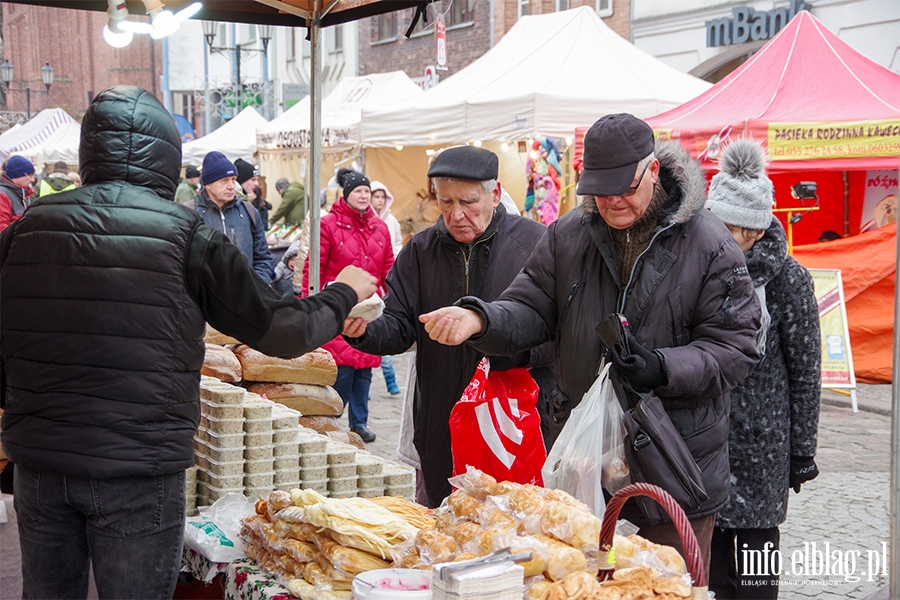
[316, 545]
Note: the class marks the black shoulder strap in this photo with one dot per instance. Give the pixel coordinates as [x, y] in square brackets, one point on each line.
[251, 210]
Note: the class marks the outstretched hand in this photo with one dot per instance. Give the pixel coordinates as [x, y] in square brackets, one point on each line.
[354, 328]
[451, 325]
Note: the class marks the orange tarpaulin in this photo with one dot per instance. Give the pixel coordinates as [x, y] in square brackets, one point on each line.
[868, 270]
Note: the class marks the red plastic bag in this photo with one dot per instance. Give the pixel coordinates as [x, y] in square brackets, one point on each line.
[495, 426]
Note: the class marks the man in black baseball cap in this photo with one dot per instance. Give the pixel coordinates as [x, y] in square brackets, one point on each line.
[643, 245]
[476, 247]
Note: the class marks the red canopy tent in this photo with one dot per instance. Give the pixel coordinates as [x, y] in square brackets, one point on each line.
[825, 112]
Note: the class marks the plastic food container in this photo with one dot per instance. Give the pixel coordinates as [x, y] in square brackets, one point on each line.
[222, 393]
[313, 460]
[226, 440]
[371, 481]
[222, 411]
[225, 454]
[258, 492]
[204, 421]
[370, 492]
[225, 481]
[343, 484]
[345, 494]
[395, 475]
[226, 426]
[313, 444]
[259, 426]
[284, 417]
[342, 471]
[286, 475]
[213, 493]
[340, 454]
[259, 438]
[393, 584]
[190, 474]
[368, 464]
[226, 468]
[286, 435]
[286, 487]
[202, 434]
[290, 461]
[258, 480]
[259, 452]
[286, 449]
[258, 409]
[199, 446]
[404, 491]
[319, 485]
[314, 473]
[258, 466]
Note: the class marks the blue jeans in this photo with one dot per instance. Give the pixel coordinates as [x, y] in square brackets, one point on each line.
[353, 387]
[130, 530]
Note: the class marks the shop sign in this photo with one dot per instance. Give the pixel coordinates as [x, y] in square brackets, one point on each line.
[879, 200]
[440, 43]
[850, 139]
[292, 93]
[749, 24]
[837, 359]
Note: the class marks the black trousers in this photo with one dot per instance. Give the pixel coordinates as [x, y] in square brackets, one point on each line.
[737, 570]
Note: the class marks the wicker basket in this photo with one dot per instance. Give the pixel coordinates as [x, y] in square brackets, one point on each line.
[700, 589]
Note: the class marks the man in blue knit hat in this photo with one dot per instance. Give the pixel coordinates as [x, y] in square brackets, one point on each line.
[15, 189]
[222, 210]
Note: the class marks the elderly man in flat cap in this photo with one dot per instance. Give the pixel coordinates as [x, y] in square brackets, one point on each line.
[474, 248]
[642, 244]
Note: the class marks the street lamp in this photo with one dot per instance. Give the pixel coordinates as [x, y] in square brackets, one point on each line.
[6, 74]
[240, 53]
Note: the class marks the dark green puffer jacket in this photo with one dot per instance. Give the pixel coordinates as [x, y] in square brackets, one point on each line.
[104, 291]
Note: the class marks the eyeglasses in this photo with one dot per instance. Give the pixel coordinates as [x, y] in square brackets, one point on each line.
[633, 189]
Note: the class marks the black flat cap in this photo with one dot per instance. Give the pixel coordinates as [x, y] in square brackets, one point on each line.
[613, 147]
[465, 162]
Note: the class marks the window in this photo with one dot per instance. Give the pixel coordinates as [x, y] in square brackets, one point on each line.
[223, 37]
[338, 39]
[562, 5]
[250, 34]
[292, 45]
[385, 27]
[523, 8]
[604, 8]
[461, 11]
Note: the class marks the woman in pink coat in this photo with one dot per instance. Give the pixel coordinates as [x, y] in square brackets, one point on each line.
[352, 234]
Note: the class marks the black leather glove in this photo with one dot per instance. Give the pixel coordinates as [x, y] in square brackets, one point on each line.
[642, 368]
[803, 469]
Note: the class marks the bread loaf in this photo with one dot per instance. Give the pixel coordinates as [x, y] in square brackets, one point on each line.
[221, 363]
[347, 437]
[215, 337]
[308, 399]
[320, 424]
[315, 368]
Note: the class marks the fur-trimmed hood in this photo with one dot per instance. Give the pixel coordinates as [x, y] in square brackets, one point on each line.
[680, 179]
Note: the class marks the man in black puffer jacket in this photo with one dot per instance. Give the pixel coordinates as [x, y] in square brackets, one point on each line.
[104, 292]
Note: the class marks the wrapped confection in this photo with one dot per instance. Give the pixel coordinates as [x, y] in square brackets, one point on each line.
[568, 524]
[463, 505]
[301, 552]
[478, 484]
[350, 560]
[464, 532]
[435, 547]
[527, 500]
[563, 559]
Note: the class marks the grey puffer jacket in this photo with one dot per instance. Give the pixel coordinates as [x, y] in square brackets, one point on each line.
[690, 298]
[775, 410]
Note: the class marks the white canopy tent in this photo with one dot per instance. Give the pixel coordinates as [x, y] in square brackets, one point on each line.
[235, 139]
[23, 140]
[62, 145]
[548, 75]
[284, 144]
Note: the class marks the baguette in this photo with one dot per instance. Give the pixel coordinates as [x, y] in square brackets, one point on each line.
[308, 399]
[315, 368]
[221, 363]
[216, 337]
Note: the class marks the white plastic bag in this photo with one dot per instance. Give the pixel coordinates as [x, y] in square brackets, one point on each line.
[592, 437]
[214, 534]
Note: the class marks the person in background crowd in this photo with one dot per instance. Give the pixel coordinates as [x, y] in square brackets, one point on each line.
[247, 177]
[302, 242]
[15, 189]
[75, 178]
[293, 202]
[352, 234]
[255, 197]
[189, 186]
[101, 359]
[475, 247]
[641, 245]
[56, 181]
[775, 410]
[284, 273]
[238, 220]
[381, 202]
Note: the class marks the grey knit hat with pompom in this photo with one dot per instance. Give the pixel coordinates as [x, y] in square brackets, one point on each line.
[740, 194]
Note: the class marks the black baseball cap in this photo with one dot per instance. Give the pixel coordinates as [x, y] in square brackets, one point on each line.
[613, 147]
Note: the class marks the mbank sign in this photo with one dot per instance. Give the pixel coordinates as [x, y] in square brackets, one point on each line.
[749, 24]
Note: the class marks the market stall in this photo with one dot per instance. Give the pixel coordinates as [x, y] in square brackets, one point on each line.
[235, 139]
[22, 140]
[548, 74]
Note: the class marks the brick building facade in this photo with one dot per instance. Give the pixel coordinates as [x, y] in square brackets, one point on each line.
[84, 64]
[384, 47]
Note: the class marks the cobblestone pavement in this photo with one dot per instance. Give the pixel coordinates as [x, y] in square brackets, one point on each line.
[846, 507]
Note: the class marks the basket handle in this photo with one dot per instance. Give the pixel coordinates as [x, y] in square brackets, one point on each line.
[679, 519]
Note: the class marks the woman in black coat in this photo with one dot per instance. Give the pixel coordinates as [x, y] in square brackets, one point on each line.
[775, 411]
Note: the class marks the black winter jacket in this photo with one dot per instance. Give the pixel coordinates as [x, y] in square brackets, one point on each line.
[434, 270]
[775, 410]
[689, 298]
[103, 295]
